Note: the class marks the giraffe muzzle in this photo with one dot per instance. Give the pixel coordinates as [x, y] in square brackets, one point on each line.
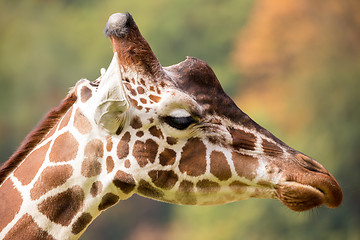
[309, 186]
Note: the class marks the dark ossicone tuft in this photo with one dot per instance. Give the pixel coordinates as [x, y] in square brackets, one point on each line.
[118, 25]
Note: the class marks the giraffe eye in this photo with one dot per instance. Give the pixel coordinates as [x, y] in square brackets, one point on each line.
[179, 123]
[179, 119]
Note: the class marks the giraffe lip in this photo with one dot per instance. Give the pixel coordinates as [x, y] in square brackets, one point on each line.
[302, 196]
[307, 185]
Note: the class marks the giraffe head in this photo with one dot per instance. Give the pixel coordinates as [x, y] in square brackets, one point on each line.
[175, 136]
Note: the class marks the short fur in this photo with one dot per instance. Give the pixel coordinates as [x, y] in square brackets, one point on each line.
[35, 137]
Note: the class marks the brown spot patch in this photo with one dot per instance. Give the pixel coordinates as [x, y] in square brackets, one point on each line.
[158, 91]
[123, 146]
[85, 94]
[109, 164]
[145, 152]
[271, 149]
[156, 132]
[219, 166]
[127, 163]
[146, 189]
[185, 194]
[65, 120]
[94, 150]
[163, 179]
[171, 140]
[124, 181]
[242, 139]
[155, 98]
[96, 188]
[186, 186]
[238, 187]
[139, 133]
[50, 178]
[128, 86]
[10, 202]
[26, 228]
[109, 143]
[135, 104]
[245, 165]
[81, 123]
[193, 158]
[167, 157]
[207, 186]
[63, 207]
[140, 90]
[30, 166]
[65, 148]
[81, 223]
[135, 122]
[107, 201]
[143, 100]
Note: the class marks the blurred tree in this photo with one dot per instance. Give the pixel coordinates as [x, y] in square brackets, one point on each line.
[302, 62]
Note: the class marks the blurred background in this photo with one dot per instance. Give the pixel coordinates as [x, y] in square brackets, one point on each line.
[293, 66]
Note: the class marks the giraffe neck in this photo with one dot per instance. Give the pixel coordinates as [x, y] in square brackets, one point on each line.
[63, 184]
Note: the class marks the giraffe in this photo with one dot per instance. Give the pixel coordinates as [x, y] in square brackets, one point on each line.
[166, 133]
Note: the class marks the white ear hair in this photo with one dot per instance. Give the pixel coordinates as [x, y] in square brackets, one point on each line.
[111, 101]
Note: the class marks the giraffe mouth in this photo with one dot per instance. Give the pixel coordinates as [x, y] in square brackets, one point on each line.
[299, 197]
[310, 191]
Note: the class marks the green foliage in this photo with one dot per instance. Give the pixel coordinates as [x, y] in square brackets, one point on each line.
[46, 46]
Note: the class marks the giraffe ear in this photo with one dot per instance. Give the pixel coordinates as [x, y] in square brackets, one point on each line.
[111, 101]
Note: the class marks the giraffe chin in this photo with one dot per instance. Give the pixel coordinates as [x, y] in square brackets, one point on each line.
[300, 197]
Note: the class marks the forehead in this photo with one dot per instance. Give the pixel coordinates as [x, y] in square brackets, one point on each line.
[195, 78]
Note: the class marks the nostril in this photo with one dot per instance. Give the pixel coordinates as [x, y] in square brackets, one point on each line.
[321, 180]
[310, 164]
[331, 190]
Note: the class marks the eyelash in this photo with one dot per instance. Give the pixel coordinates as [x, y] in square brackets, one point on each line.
[179, 123]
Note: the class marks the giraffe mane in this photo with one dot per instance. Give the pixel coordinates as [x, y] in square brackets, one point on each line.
[36, 135]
